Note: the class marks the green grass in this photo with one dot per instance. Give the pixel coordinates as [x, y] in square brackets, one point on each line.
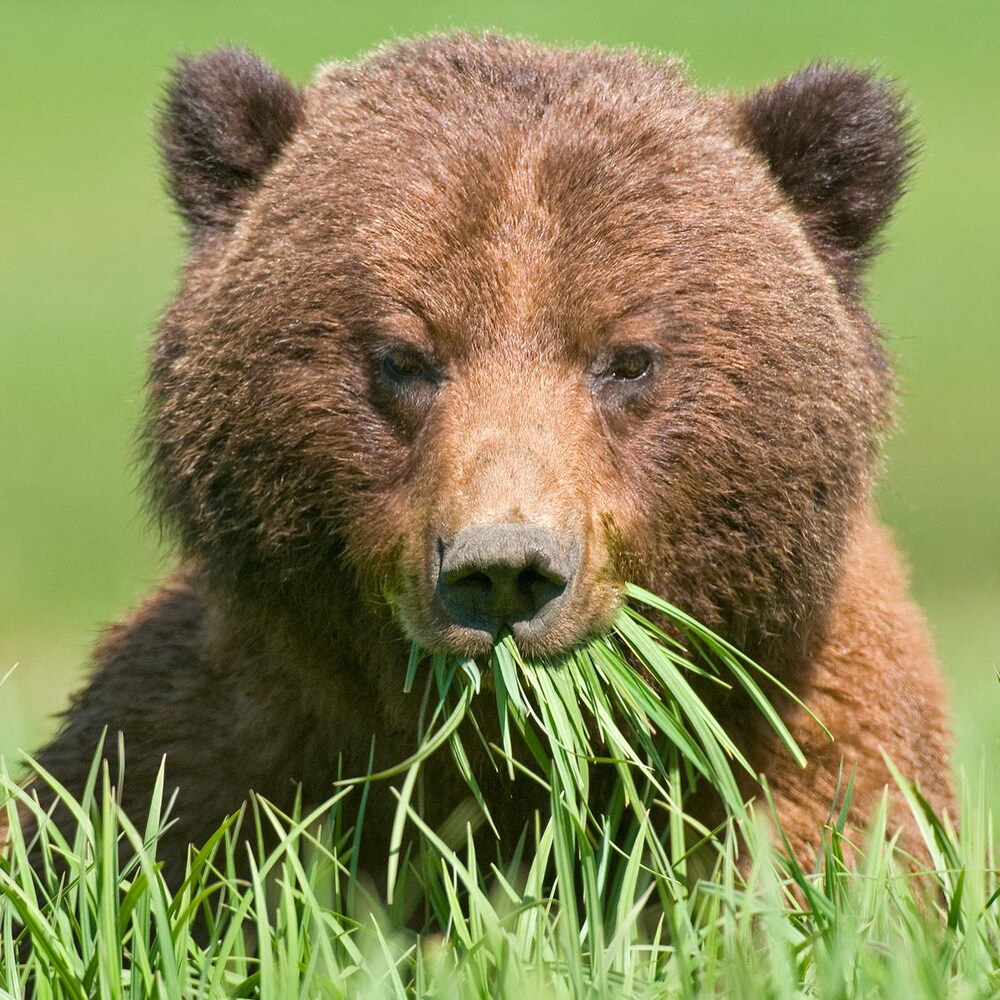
[111, 928]
[596, 901]
[89, 254]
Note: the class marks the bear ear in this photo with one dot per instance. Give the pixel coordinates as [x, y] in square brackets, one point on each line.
[225, 119]
[840, 145]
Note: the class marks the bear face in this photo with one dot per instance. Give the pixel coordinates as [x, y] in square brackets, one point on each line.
[474, 332]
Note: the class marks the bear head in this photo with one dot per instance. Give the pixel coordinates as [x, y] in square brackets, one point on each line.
[474, 331]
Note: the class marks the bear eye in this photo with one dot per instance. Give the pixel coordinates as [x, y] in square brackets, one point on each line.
[629, 364]
[404, 382]
[404, 364]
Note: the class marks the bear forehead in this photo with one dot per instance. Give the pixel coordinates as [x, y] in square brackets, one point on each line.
[463, 182]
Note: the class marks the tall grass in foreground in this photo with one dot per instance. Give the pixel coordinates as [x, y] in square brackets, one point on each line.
[597, 901]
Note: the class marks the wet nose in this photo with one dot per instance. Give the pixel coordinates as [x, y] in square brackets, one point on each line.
[506, 574]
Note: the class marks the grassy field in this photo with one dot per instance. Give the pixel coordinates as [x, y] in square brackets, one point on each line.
[89, 254]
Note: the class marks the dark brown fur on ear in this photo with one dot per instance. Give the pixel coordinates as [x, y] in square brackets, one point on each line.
[839, 143]
[225, 119]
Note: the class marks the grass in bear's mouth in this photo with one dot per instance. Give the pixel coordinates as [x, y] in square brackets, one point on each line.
[623, 700]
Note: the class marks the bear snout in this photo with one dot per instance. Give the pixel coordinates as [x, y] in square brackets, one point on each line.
[512, 575]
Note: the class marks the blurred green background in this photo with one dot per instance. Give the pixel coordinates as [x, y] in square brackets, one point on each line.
[89, 253]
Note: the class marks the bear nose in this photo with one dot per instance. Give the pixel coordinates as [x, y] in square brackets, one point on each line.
[506, 574]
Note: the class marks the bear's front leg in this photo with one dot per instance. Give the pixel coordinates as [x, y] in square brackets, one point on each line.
[155, 685]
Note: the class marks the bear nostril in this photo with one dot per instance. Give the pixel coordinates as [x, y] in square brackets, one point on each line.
[502, 574]
[539, 587]
[475, 585]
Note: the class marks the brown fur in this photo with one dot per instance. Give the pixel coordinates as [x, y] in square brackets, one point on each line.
[415, 299]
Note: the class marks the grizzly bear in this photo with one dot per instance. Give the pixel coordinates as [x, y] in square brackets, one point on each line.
[473, 332]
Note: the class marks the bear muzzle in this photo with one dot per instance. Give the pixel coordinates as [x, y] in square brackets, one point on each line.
[507, 575]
